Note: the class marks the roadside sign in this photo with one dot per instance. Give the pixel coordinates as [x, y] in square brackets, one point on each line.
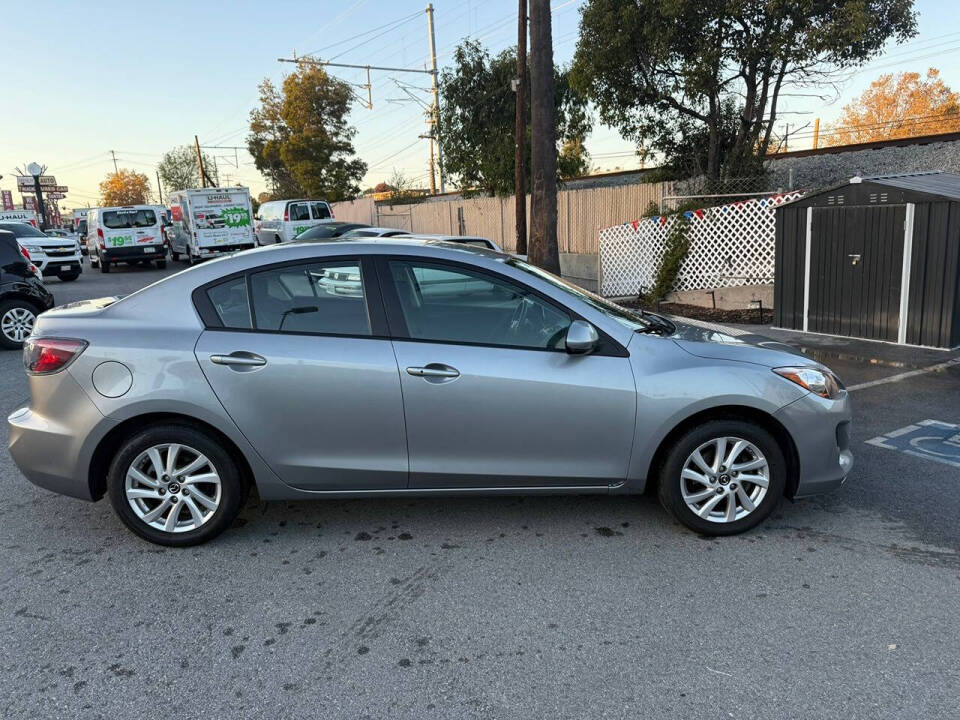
[44, 180]
[55, 196]
[7, 197]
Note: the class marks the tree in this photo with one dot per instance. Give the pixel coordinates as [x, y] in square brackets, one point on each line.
[656, 68]
[478, 120]
[178, 168]
[300, 139]
[896, 106]
[542, 249]
[126, 187]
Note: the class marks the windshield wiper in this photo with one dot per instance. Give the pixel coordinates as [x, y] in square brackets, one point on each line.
[658, 324]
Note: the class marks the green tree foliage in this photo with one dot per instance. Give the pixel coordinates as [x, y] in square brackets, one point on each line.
[663, 70]
[300, 139]
[178, 168]
[478, 121]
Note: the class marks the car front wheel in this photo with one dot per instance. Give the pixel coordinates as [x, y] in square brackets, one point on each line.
[723, 477]
[175, 485]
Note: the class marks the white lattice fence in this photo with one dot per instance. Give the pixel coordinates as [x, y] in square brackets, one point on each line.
[729, 245]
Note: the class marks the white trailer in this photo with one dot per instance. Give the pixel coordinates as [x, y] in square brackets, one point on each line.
[24, 216]
[209, 221]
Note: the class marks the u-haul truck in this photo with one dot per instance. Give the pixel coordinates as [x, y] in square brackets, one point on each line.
[210, 221]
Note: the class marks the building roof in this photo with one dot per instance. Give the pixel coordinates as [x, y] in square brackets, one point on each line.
[934, 182]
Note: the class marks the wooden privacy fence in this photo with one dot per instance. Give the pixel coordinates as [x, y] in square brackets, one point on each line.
[580, 214]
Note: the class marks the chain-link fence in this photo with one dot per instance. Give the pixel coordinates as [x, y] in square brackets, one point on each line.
[704, 192]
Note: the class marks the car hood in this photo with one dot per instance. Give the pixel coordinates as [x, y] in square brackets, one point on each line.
[719, 342]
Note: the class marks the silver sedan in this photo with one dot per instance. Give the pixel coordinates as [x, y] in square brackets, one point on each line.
[396, 367]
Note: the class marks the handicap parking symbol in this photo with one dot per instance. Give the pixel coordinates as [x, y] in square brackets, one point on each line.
[930, 439]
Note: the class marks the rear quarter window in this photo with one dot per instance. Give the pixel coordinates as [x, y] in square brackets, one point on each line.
[229, 300]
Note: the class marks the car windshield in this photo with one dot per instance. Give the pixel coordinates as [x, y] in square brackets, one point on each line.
[22, 230]
[628, 318]
[128, 218]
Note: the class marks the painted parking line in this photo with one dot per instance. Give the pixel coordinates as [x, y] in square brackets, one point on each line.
[930, 439]
[905, 375]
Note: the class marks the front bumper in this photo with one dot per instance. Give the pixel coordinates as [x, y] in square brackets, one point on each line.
[53, 447]
[54, 266]
[820, 430]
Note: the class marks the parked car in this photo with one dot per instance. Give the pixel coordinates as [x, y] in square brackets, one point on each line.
[464, 239]
[130, 234]
[374, 232]
[328, 230]
[22, 294]
[280, 221]
[53, 256]
[387, 368]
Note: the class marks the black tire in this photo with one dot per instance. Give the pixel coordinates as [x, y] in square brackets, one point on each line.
[234, 490]
[174, 255]
[94, 261]
[104, 266]
[5, 307]
[69, 277]
[162, 264]
[277, 240]
[670, 481]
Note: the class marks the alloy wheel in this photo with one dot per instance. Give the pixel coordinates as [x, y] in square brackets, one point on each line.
[725, 479]
[17, 324]
[173, 488]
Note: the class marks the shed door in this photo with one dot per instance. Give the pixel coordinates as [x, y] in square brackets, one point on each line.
[856, 265]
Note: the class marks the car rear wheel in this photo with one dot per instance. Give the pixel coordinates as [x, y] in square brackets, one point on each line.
[17, 318]
[175, 485]
[162, 264]
[104, 266]
[723, 477]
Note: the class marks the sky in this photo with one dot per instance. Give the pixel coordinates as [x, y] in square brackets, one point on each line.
[82, 79]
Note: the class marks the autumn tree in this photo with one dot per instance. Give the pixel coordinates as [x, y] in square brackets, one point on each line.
[178, 168]
[126, 187]
[659, 67]
[300, 139]
[896, 106]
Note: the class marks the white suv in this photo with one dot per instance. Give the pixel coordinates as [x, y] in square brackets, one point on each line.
[52, 255]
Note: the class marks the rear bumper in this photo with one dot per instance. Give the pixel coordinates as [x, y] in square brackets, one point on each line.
[53, 448]
[821, 433]
[136, 252]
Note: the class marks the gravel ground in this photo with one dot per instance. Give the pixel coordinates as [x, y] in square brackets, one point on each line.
[844, 606]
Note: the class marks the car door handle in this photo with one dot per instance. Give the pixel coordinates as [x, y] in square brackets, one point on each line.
[243, 359]
[434, 370]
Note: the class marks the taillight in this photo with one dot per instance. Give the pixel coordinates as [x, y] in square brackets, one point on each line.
[45, 356]
[100, 237]
[286, 215]
[23, 251]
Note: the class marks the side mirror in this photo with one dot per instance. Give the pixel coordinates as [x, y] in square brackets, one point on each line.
[581, 337]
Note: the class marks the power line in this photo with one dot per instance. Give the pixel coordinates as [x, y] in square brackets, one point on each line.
[391, 24]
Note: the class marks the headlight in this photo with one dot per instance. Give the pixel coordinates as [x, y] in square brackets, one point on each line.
[824, 384]
[33, 248]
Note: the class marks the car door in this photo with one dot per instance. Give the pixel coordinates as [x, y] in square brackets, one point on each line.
[491, 397]
[298, 356]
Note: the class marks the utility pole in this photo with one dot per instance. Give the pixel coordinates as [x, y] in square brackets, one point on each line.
[159, 188]
[114, 156]
[435, 130]
[543, 250]
[520, 157]
[203, 175]
[816, 133]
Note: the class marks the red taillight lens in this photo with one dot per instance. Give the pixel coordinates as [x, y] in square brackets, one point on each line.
[23, 251]
[286, 216]
[44, 356]
[100, 237]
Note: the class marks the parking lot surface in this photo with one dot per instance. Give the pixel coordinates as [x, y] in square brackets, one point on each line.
[842, 606]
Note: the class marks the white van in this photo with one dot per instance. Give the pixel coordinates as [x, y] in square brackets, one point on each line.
[281, 221]
[130, 234]
[209, 221]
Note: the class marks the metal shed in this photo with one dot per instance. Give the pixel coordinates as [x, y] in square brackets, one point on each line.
[877, 258]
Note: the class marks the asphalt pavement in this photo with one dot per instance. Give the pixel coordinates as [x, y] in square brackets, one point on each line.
[842, 606]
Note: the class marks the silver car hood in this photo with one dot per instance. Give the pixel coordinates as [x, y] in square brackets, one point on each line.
[719, 342]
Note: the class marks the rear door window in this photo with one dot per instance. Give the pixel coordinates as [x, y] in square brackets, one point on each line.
[326, 298]
[124, 219]
[320, 210]
[299, 212]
